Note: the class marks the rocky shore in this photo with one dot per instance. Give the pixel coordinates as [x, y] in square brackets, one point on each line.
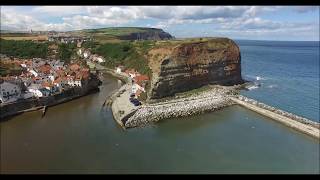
[197, 103]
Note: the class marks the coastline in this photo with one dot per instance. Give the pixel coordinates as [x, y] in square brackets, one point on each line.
[36, 104]
[217, 97]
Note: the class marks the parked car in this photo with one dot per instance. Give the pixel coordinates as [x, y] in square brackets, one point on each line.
[135, 102]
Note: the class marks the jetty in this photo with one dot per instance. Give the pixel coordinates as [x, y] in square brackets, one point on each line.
[299, 123]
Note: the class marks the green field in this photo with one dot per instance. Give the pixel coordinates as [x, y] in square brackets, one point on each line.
[118, 31]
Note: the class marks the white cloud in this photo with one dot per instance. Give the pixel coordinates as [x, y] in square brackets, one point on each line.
[240, 20]
[59, 10]
[304, 9]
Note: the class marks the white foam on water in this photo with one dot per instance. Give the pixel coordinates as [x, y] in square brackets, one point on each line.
[253, 87]
[272, 86]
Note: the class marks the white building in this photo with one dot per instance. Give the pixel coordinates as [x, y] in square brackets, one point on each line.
[135, 87]
[38, 91]
[118, 70]
[100, 59]
[86, 54]
[9, 92]
[79, 52]
[74, 82]
[33, 72]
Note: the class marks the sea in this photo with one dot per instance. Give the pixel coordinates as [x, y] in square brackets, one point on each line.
[81, 136]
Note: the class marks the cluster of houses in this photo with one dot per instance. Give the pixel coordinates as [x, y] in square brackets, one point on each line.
[138, 80]
[88, 56]
[42, 78]
[66, 38]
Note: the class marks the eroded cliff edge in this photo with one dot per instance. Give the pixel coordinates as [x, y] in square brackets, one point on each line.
[179, 66]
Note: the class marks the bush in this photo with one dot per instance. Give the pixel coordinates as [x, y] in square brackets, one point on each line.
[123, 53]
[23, 49]
[65, 51]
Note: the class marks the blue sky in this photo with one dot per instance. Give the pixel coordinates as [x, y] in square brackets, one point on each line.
[292, 23]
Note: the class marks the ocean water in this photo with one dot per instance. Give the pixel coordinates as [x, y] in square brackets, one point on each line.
[288, 73]
[82, 137]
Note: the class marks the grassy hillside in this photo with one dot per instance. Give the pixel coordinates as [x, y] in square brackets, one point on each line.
[126, 53]
[23, 49]
[117, 31]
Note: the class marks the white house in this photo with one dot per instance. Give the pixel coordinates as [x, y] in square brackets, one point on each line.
[74, 82]
[33, 72]
[34, 89]
[79, 52]
[100, 59]
[9, 92]
[135, 87]
[118, 70]
[86, 54]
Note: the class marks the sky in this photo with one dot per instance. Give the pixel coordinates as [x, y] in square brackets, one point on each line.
[288, 23]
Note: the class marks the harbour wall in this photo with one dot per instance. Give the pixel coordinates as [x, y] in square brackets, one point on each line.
[291, 120]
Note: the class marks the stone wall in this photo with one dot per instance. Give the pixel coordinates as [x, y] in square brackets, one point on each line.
[278, 111]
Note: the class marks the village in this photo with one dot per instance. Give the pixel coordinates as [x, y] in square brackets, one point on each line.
[47, 77]
[138, 81]
[42, 78]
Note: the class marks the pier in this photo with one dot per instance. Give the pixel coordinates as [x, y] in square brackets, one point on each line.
[293, 121]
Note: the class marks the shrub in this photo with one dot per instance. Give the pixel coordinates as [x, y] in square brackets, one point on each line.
[23, 49]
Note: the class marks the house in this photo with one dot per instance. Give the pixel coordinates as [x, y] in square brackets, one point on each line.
[33, 72]
[45, 69]
[49, 86]
[100, 59]
[79, 52]
[74, 67]
[86, 54]
[60, 83]
[141, 80]
[79, 43]
[9, 92]
[119, 69]
[131, 73]
[38, 91]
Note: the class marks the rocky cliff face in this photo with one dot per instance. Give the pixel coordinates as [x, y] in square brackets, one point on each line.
[184, 66]
[150, 34]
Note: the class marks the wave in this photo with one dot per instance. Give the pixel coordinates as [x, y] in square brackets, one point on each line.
[252, 87]
[272, 86]
[257, 78]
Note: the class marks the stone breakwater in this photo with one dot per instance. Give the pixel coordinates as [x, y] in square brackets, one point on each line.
[280, 112]
[211, 100]
[293, 121]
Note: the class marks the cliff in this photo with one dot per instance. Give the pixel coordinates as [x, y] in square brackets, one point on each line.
[127, 33]
[179, 66]
[149, 34]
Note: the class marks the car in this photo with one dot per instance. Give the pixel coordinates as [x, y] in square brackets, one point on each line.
[136, 102]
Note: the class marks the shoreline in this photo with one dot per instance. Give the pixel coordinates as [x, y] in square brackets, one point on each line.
[9, 115]
[210, 100]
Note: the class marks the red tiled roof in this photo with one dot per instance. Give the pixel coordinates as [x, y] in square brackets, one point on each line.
[74, 67]
[46, 84]
[45, 69]
[60, 72]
